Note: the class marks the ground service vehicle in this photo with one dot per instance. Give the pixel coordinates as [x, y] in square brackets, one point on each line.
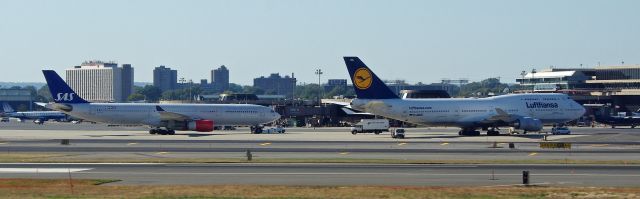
[560, 131]
[277, 129]
[397, 133]
[376, 126]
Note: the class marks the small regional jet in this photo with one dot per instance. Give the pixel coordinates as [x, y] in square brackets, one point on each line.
[526, 112]
[37, 116]
[162, 118]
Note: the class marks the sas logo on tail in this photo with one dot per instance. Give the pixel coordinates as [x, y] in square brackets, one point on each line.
[362, 78]
[65, 97]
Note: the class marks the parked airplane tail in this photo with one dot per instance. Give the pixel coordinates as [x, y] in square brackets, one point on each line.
[6, 108]
[60, 91]
[365, 82]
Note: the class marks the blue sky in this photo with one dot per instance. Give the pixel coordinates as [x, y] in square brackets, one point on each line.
[419, 41]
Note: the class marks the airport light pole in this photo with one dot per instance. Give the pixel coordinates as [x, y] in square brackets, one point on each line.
[190, 90]
[182, 81]
[523, 73]
[533, 73]
[319, 73]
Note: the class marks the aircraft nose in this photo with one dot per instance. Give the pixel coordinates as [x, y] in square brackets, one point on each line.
[582, 111]
[275, 116]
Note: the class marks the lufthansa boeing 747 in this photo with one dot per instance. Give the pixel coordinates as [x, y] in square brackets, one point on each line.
[163, 118]
[526, 112]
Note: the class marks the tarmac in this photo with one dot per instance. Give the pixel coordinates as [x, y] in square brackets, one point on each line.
[335, 174]
[99, 141]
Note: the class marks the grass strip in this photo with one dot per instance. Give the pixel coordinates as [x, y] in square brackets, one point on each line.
[51, 188]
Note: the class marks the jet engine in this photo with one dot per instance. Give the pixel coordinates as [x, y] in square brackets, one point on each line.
[200, 125]
[528, 124]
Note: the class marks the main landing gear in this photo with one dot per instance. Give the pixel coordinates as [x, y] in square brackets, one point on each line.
[162, 131]
[469, 132]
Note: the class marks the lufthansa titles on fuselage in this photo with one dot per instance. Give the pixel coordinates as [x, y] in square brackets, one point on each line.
[541, 105]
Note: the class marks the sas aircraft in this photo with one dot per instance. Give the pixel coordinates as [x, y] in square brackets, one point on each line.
[526, 112]
[40, 116]
[162, 118]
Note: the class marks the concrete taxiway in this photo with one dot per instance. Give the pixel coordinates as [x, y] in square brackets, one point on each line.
[335, 174]
[96, 142]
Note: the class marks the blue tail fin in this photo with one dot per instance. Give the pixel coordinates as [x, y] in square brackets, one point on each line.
[7, 108]
[60, 91]
[365, 82]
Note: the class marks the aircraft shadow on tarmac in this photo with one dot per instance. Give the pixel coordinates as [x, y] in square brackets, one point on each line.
[530, 136]
[187, 134]
[120, 135]
[199, 134]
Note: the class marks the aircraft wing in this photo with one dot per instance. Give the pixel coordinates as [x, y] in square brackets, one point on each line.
[351, 112]
[346, 107]
[500, 116]
[344, 103]
[165, 115]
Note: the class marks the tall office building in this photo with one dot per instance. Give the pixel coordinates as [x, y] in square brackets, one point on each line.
[220, 78]
[276, 84]
[127, 80]
[165, 78]
[97, 81]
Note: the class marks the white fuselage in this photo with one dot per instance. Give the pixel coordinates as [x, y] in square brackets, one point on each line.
[37, 115]
[472, 112]
[146, 114]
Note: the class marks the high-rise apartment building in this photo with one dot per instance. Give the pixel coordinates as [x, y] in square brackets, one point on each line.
[220, 78]
[127, 80]
[98, 81]
[165, 78]
[276, 84]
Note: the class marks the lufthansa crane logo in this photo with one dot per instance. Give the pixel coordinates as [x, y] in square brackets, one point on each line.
[362, 78]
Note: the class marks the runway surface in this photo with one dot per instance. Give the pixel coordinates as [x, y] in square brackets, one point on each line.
[334, 174]
[54, 130]
[96, 142]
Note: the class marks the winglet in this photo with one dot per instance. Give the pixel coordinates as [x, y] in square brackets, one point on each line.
[159, 109]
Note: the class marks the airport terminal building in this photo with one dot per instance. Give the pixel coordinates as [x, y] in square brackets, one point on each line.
[618, 86]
